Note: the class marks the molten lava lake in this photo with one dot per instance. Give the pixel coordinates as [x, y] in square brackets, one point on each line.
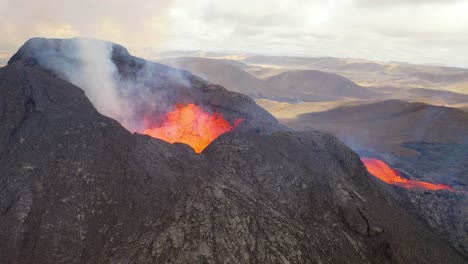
[384, 172]
[192, 125]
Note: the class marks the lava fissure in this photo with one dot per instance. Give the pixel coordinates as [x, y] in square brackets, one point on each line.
[192, 125]
[381, 170]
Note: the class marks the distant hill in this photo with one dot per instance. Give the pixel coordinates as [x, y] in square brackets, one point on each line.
[312, 85]
[320, 63]
[430, 96]
[361, 71]
[284, 61]
[388, 124]
[428, 141]
[280, 83]
[441, 78]
[372, 73]
[298, 85]
[457, 82]
[265, 72]
[228, 73]
[363, 67]
[461, 87]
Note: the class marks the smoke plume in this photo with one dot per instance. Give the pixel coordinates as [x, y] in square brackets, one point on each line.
[96, 76]
[137, 89]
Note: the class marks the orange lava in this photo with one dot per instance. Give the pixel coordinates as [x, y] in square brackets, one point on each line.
[192, 125]
[382, 171]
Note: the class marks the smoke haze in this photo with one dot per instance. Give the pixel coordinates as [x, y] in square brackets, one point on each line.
[96, 77]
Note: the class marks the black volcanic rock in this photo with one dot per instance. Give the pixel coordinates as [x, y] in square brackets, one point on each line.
[445, 212]
[77, 187]
[437, 136]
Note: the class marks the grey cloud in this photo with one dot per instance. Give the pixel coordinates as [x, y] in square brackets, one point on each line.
[233, 17]
[380, 30]
[387, 3]
[125, 21]
[397, 31]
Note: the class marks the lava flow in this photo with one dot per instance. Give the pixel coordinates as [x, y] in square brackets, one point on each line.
[382, 171]
[192, 125]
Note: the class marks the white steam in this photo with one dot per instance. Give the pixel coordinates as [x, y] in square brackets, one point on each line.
[126, 92]
[96, 77]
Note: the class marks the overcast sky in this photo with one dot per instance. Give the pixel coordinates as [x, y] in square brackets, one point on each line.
[418, 31]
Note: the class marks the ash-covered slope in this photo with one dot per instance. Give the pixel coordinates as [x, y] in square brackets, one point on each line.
[79, 188]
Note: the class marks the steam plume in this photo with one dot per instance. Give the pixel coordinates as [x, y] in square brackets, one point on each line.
[89, 64]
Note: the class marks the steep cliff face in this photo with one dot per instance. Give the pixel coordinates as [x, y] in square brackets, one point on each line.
[77, 187]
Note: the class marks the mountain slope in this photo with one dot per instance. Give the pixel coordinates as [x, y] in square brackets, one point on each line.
[386, 125]
[371, 73]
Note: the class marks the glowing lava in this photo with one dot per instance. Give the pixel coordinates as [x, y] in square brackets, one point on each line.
[192, 125]
[382, 171]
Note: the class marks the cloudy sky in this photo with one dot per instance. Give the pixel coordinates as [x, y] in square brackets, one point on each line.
[418, 31]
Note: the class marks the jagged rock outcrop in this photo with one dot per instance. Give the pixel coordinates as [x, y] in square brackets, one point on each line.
[77, 187]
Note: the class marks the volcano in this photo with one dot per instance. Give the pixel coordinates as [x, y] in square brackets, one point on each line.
[79, 187]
